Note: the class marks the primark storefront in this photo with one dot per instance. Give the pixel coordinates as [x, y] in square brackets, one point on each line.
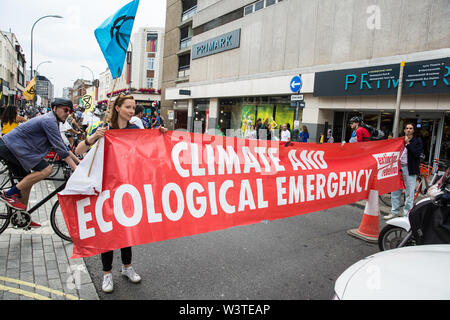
[371, 92]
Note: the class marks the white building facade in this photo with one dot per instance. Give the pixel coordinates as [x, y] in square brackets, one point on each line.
[245, 53]
[142, 73]
[12, 68]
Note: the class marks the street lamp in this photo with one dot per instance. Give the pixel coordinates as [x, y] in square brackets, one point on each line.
[92, 73]
[93, 79]
[32, 28]
[37, 68]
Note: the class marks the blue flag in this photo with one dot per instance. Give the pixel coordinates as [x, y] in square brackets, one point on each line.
[113, 36]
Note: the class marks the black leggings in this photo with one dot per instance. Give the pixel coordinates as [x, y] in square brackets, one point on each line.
[107, 258]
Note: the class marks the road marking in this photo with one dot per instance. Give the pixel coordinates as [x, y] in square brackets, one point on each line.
[23, 293]
[36, 286]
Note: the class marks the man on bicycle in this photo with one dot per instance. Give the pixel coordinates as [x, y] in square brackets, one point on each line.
[25, 147]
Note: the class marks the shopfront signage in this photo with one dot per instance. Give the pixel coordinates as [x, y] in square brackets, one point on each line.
[432, 76]
[184, 92]
[227, 41]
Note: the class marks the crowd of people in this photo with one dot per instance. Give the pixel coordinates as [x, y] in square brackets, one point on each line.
[269, 131]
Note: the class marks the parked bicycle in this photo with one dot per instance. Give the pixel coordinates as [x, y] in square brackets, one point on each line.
[427, 177]
[22, 219]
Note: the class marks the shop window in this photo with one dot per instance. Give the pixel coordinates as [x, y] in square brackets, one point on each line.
[371, 119]
[387, 123]
[338, 128]
[200, 115]
[445, 145]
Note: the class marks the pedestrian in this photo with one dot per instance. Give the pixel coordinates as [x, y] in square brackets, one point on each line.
[121, 114]
[156, 120]
[330, 138]
[137, 118]
[267, 130]
[85, 118]
[304, 135]
[410, 168]
[250, 133]
[390, 135]
[285, 133]
[361, 134]
[258, 127]
[10, 119]
[146, 122]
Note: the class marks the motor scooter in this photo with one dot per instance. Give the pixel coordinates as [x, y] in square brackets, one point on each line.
[398, 231]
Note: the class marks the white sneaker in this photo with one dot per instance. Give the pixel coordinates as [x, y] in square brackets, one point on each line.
[131, 274]
[390, 216]
[108, 285]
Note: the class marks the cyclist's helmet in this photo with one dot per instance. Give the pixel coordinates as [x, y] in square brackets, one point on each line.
[356, 120]
[62, 102]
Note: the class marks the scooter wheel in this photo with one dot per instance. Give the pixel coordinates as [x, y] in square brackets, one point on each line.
[390, 237]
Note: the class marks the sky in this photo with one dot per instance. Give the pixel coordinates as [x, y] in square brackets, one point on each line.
[69, 42]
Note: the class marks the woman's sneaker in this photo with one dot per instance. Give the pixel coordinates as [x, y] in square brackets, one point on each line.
[107, 285]
[131, 274]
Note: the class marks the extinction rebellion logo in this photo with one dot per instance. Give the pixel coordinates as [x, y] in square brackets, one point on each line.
[387, 164]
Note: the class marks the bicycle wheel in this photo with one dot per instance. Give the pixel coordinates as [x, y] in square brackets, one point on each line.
[56, 166]
[386, 199]
[58, 223]
[5, 215]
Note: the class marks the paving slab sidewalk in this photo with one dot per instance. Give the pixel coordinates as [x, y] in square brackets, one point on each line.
[36, 264]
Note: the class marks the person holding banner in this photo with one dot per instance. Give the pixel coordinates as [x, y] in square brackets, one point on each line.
[122, 112]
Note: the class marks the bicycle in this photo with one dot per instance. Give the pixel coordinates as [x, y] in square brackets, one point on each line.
[427, 177]
[22, 219]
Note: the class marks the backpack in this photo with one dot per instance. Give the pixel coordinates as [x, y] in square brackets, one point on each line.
[375, 134]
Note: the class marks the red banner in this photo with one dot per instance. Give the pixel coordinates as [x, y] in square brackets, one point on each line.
[163, 186]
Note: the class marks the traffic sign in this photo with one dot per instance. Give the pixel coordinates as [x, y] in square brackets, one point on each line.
[297, 97]
[296, 84]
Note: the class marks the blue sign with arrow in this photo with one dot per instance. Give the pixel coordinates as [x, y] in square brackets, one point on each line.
[296, 84]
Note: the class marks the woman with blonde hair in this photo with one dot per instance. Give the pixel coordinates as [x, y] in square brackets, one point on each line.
[122, 112]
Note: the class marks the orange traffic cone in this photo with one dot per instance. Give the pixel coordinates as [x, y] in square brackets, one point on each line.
[369, 228]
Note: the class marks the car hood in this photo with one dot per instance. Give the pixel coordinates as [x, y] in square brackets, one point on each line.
[420, 272]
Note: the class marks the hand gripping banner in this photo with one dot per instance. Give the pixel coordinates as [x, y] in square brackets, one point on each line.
[162, 186]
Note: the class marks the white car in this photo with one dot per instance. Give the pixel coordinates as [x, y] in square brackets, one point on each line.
[409, 273]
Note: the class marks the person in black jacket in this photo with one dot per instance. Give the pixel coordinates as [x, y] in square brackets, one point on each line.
[410, 167]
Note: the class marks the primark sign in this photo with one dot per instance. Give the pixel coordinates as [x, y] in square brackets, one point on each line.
[227, 41]
[421, 77]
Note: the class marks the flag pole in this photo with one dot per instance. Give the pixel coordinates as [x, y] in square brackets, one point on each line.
[104, 119]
